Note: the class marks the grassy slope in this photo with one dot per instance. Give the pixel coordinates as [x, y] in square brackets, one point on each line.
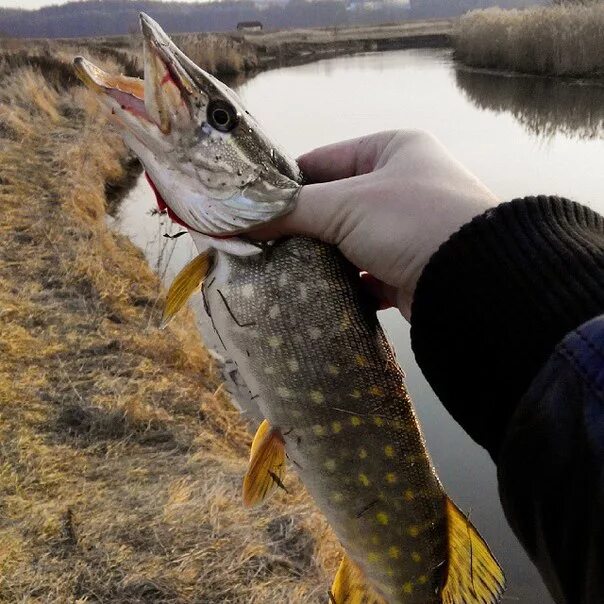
[120, 458]
[563, 40]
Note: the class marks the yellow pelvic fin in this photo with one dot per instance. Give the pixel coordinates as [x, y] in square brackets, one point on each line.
[473, 575]
[351, 587]
[185, 284]
[267, 465]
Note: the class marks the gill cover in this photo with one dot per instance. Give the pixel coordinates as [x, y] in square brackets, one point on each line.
[205, 154]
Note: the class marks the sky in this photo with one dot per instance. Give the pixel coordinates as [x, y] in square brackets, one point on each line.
[29, 4]
[33, 4]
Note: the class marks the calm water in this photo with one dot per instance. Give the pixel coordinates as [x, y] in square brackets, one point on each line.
[520, 135]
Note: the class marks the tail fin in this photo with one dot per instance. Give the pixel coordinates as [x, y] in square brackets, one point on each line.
[474, 576]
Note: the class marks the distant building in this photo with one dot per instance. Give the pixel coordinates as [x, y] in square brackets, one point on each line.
[249, 26]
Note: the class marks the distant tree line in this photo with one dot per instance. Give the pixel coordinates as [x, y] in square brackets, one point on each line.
[108, 17]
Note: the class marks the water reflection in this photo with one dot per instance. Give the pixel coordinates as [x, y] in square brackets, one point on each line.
[545, 107]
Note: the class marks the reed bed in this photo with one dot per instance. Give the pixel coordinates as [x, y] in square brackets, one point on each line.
[560, 40]
[218, 53]
[120, 457]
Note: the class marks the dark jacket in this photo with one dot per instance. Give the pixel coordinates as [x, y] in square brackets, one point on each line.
[507, 326]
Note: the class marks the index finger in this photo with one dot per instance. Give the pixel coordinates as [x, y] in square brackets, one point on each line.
[344, 159]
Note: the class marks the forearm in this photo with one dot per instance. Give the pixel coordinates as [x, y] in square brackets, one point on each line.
[497, 297]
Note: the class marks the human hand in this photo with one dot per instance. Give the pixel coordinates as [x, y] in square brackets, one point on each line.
[388, 201]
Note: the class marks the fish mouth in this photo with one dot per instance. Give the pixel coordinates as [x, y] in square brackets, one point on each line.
[150, 108]
[162, 98]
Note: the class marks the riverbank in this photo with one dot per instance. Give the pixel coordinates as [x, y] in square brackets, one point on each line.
[237, 53]
[121, 458]
[293, 47]
[563, 40]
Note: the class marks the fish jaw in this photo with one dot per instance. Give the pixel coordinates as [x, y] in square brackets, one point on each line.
[205, 154]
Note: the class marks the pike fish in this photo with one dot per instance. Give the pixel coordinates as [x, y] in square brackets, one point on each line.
[303, 336]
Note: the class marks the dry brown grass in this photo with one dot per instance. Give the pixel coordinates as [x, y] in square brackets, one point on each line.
[563, 40]
[120, 458]
[218, 53]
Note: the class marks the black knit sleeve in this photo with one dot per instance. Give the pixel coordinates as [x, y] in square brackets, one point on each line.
[497, 297]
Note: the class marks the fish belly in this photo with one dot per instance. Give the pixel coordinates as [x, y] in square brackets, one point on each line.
[310, 348]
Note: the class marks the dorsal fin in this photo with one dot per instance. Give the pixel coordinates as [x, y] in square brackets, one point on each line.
[473, 575]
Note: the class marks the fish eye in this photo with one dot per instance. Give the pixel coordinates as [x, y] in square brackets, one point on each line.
[222, 116]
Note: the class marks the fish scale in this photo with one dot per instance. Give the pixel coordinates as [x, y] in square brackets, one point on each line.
[326, 376]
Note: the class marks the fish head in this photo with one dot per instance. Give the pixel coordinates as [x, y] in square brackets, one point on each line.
[205, 155]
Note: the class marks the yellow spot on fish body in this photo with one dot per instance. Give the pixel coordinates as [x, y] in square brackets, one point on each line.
[275, 341]
[333, 369]
[362, 453]
[389, 451]
[336, 427]
[391, 478]
[408, 587]
[408, 495]
[318, 430]
[375, 539]
[376, 391]
[316, 396]
[423, 579]
[336, 497]
[373, 557]
[394, 552]
[361, 360]
[413, 530]
[390, 572]
[355, 393]
[378, 421]
[416, 557]
[345, 322]
[330, 464]
[364, 480]
[382, 518]
[397, 424]
[293, 365]
[247, 291]
[356, 421]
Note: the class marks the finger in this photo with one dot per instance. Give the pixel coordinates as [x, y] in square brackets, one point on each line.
[344, 159]
[319, 212]
[384, 294]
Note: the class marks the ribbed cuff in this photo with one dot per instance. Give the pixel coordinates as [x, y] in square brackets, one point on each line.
[495, 299]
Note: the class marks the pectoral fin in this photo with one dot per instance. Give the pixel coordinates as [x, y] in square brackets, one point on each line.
[474, 576]
[267, 465]
[351, 587]
[185, 284]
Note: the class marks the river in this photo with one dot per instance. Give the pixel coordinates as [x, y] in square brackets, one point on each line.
[520, 135]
